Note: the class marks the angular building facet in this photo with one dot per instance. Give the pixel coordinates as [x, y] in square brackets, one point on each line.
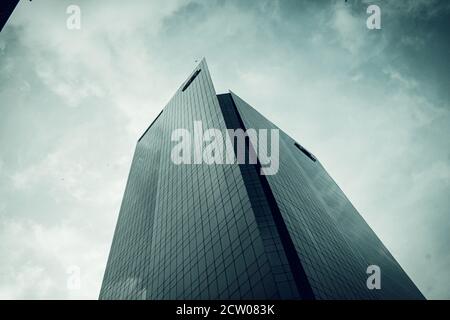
[225, 231]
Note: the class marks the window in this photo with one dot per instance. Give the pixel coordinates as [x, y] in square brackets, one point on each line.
[306, 152]
[188, 83]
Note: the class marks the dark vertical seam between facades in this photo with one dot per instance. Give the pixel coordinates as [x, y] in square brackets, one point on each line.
[301, 280]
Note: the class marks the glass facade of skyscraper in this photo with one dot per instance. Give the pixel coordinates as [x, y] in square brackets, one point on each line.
[224, 231]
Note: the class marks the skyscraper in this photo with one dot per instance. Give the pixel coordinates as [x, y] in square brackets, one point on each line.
[226, 231]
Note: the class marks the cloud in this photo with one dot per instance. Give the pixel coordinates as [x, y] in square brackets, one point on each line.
[421, 9]
[349, 28]
[371, 106]
[38, 270]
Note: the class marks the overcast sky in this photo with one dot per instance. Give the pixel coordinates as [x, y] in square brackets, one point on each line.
[372, 105]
